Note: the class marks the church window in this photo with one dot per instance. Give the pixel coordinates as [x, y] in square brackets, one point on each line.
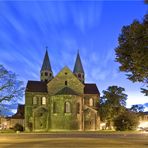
[65, 73]
[79, 75]
[91, 102]
[67, 108]
[65, 82]
[78, 108]
[46, 73]
[43, 100]
[35, 100]
[54, 107]
[50, 74]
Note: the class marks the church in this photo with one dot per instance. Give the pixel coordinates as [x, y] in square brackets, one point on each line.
[61, 102]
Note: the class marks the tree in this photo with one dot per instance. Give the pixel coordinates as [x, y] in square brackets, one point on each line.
[126, 121]
[18, 127]
[146, 1]
[132, 52]
[11, 89]
[112, 103]
[138, 108]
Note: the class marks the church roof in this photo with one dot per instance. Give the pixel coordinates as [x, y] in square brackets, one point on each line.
[66, 91]
[78, 65]
[20, 112]
[46, 63]
[36, 86]
[91, 89]
[39, 86]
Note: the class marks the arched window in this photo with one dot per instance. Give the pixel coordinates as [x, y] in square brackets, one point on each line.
[46, 73]
[35, 100]
[78, 108]
[65, 82]
[91, 102]
[67, 107]
[79, 75]
[43, 100]
[54, 107]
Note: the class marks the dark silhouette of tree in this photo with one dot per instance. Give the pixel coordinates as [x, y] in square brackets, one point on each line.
[137, 108]
[132, 52]
[11, 89]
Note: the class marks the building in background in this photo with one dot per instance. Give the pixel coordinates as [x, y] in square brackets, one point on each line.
[9, 122]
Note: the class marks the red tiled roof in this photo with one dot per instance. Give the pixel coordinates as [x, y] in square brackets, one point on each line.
[91, 89]
[36, 86]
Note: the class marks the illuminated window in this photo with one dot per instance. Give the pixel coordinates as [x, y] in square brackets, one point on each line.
[91, 102]
[35, 100]
[43, 100]
[67, 108]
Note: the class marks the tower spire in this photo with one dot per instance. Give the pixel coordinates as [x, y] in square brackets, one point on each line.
[78, 68]
[46, 73]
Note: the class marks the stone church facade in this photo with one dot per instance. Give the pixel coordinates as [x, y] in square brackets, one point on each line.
[63, 102]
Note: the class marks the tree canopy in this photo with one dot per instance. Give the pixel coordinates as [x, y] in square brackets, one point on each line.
[11, 89]
[137, 108]
[126, 121]
[112, 103]
[132, 52]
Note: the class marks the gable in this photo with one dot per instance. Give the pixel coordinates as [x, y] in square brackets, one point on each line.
[66, 91]
[65, 78]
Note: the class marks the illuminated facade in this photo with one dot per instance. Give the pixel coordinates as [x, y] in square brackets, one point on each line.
[63, 102]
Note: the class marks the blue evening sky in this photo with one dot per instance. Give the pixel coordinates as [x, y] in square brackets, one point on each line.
[27, 27]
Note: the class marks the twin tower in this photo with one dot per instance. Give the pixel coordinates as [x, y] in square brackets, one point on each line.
[46, 73]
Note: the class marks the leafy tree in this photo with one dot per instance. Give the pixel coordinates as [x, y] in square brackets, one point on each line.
[132, 52]
[137, 108]
[146, 1]
[18, 127]
[112, 103]
[126, 121]
[11, 89]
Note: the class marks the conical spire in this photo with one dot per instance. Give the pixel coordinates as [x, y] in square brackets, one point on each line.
[46, 73]
[46, 63]
[78, 68]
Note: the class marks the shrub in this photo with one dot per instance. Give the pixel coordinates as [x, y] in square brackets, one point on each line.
[126, 121]
[18, 127]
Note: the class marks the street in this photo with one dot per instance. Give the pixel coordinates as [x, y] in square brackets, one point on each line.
[73, 140]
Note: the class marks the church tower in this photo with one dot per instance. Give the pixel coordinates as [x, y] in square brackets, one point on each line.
[78, 69]
[46, 73]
